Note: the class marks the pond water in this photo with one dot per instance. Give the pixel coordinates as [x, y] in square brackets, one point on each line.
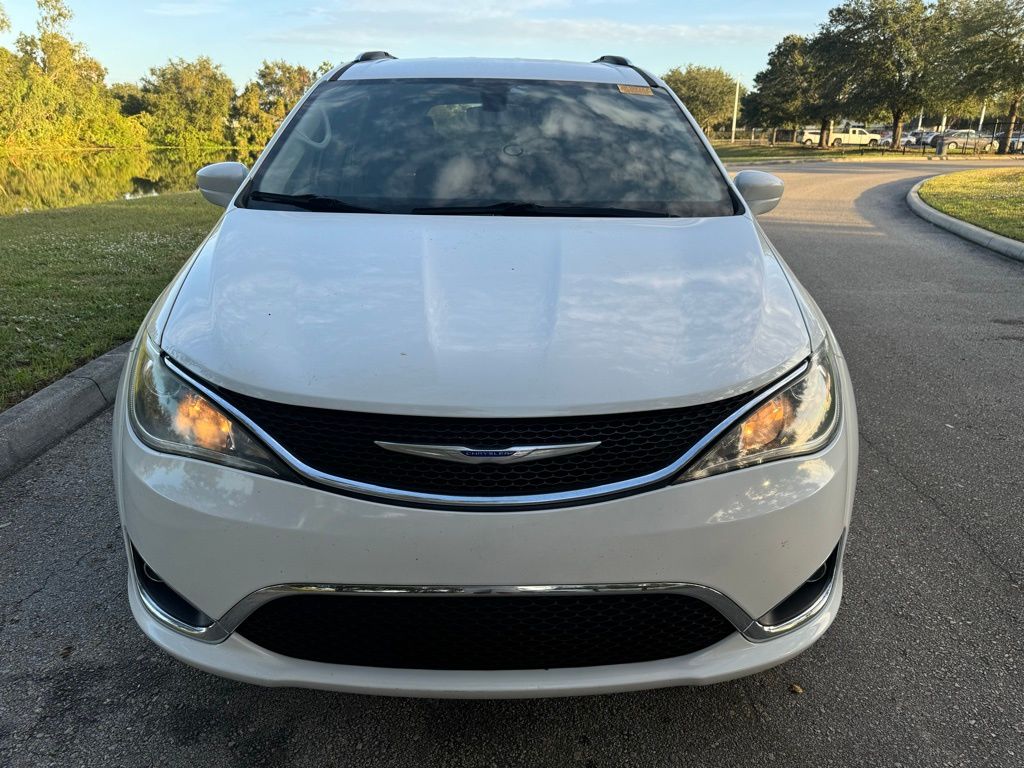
[31, 181]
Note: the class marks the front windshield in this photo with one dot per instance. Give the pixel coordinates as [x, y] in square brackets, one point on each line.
[519, 146]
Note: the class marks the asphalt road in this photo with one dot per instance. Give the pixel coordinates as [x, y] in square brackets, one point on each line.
[924, 666]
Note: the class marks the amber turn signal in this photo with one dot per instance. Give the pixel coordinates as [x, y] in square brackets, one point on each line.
[197, 421]
[765, 424]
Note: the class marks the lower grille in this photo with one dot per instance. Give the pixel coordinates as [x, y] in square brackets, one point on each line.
[485, 632]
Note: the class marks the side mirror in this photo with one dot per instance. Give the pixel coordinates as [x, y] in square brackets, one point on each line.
[220, 181]
[760, 191]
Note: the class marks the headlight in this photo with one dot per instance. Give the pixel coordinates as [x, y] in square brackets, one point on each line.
[801, 418]
[169, 415]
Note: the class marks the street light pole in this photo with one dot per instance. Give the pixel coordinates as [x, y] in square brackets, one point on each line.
[982, 118]
[735, 111]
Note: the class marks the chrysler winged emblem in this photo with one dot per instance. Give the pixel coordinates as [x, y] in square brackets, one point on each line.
[487, 456]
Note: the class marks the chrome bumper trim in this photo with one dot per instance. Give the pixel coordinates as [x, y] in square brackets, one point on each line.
[747, 626]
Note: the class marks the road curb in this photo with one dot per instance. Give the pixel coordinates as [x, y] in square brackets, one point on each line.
[33, 425]
[1006, 246]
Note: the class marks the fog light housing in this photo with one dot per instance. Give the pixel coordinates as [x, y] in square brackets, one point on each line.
[807, 599]
[165, 599]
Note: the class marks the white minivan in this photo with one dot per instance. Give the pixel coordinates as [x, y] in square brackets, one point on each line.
[486, 384]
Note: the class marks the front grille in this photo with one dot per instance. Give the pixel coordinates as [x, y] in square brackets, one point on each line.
[477, 632]
[341, 443]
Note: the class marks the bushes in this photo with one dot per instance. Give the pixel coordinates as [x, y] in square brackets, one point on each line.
[54, 95]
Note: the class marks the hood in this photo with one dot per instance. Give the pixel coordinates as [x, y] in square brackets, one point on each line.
[484, 315]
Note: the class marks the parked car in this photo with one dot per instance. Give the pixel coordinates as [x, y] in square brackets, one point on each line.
[487, 383]
[968, 139]
[1016, 143]
[854, 137]
[808, 137]
[906, 139]
[929, 138]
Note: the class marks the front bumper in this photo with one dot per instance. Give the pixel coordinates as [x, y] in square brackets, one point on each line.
[238, 659]
[218, 536]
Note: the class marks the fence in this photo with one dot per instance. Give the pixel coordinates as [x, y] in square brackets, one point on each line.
[747, 137]
[959, 138]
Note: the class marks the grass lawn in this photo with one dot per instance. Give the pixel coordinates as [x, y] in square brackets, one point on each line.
[76, 282]
[738, 153]
[992, 198]
[732, 152]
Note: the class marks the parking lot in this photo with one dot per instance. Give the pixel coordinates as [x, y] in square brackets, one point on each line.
[923, 667]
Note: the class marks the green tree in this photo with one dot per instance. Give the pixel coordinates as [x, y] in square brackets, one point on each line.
[188, 103]
[827, 79]
[947, 91]
[9, 79]
[282, 84]
[884, 51]
[992, 32]
[708, 92]
[265, 101]
[130, 97]
[252, 127]
[52, 93]
[780, 96]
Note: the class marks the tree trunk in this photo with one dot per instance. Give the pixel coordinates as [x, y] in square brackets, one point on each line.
[897, 128]
[772, 142]
[823, 135]
[1004, 143]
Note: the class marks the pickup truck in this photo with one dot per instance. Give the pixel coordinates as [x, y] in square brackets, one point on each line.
[855, 137]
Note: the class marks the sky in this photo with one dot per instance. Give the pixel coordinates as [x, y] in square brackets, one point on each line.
[130, 36]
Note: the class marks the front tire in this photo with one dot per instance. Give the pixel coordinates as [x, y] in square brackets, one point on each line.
[808, 143]
[873, 143]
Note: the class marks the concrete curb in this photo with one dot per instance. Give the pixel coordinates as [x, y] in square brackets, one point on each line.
[33, 425]
[1006, 246]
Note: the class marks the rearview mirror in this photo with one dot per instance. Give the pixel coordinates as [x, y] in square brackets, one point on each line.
[760, 191]
[220, 181]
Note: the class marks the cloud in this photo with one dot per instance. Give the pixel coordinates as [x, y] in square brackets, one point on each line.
[369, 22]
[185, 9]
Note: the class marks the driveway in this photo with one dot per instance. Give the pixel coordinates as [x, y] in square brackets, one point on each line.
[923, 667]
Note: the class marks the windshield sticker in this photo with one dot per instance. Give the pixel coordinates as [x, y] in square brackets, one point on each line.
[636, 90]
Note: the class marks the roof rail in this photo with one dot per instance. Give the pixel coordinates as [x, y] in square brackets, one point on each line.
[622, 61]
[374, 56]
[364, 56]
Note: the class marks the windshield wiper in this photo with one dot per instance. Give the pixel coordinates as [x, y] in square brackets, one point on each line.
[321, 203]
[522, 208]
